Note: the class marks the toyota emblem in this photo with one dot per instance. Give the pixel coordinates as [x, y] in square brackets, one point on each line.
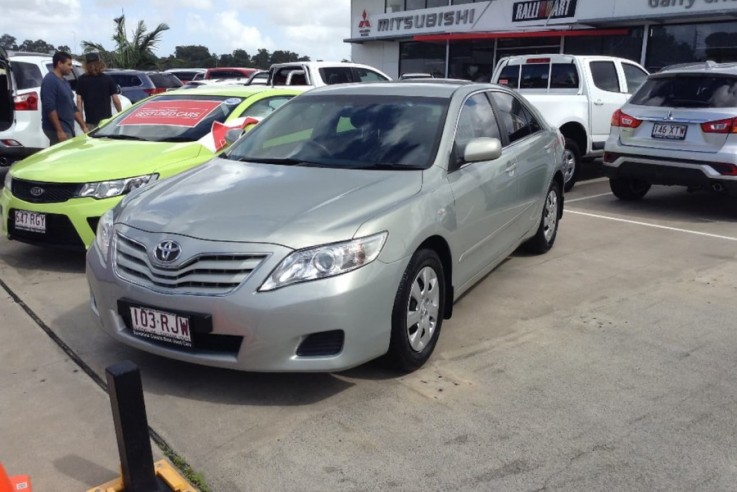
[37, 191]
[167, 251]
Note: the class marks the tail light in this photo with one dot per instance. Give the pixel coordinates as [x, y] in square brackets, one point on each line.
[720, 126]
[26, 102]
[155, 90]
[724, 169]
[624, 120]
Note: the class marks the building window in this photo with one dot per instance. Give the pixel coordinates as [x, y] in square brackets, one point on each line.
[394, 6]
[471, 60]
[402, 5]
[629, 46]
[417, 57]
[461, 2]
[682, 43]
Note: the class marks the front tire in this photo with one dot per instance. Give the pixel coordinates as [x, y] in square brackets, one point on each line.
[628, 188]
[571, 164]
[546, 233]
[418, 312]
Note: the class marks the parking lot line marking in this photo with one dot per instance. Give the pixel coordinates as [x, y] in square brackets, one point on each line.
[588, 197]
[647, 224]
[591, 181]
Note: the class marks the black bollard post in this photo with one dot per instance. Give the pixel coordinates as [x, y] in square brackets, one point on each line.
[131, 427]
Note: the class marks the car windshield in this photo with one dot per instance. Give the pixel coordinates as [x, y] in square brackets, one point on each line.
[170, 118]
[688, 91]
[348, 131]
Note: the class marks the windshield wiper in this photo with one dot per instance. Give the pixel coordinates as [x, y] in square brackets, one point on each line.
[122, 137]
[176, 139]
[384, 166]
[291, 161]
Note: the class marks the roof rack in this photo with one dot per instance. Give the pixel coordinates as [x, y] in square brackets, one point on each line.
[28, 53]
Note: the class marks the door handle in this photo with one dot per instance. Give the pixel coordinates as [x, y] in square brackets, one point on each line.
[599, 102]
[511, 167]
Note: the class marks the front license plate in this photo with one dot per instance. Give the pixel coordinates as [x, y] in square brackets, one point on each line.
[161, 325]
[669, 131]
[30, 221]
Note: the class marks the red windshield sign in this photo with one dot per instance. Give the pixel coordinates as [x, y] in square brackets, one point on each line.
[183, 112]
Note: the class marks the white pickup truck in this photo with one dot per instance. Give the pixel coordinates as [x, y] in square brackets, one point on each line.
[316, 74]
[577, 94]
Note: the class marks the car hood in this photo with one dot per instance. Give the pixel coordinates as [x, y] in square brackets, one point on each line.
[85, 159]
[292, 206]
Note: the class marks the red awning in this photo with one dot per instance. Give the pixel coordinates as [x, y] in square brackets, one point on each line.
[467, 36]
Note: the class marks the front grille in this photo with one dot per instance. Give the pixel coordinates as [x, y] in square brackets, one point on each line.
[206, 274]
[322, 344]
[52, 192]
[59, 232]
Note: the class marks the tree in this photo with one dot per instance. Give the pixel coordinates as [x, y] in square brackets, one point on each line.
[64, 48]
[134, 53]
[280, 56]
[38, 46]
[194, 56]
[7, 42]
[262, 59]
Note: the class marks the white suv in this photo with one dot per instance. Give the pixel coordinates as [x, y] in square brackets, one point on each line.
[20, 103]
[317, 74]
[679, 128]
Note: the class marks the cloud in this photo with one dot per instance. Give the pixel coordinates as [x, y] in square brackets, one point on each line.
[196, 24]
[236, 35]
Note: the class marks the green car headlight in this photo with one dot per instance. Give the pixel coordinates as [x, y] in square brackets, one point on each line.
[8, 182]
[104, 233]
[107, 189]
[325, 261]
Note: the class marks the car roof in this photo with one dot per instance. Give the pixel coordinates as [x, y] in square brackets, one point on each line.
[560, 58]
[418, 87]
[709, 66]
[235, 90]
[198, 70]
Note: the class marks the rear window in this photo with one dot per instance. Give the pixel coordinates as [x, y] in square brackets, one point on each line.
[537, 76]
[26, 75]
[336, 75]
[688, 91]
[165, 80]
[126, 79]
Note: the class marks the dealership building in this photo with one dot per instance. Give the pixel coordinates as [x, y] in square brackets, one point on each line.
[465, 39]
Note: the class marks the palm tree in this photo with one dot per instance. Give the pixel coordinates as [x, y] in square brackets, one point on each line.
[134, 53]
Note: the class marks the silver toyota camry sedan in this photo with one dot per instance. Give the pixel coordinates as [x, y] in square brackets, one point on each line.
[341, 229]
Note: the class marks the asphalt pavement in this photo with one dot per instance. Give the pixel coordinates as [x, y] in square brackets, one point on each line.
[606, 364]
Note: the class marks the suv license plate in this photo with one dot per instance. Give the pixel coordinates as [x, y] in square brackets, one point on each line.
[161, 325]
[669, 131]
[30, 221]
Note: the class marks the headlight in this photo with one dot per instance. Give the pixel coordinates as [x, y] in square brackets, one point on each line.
[8, 182]
[325, 261]
[107, 189]
[104, 233]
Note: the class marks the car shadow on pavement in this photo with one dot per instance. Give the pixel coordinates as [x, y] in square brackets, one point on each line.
[163, 376]
[28, 257]
[695, 207]
[83, 470]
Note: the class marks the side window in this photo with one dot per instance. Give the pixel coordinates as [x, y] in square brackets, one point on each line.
[265, 107]
[634, 75]
[563, 76]
[26, 75]
[516, 119]
[605, 76]
[336, 75]
[367, 75]
[476, 120]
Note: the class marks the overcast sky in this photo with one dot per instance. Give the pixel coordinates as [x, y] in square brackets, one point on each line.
[314, 28]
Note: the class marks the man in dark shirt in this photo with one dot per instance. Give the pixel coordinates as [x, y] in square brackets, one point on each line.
[94, 91]
[57, 101]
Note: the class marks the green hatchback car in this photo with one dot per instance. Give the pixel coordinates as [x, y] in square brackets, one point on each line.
[56, 197]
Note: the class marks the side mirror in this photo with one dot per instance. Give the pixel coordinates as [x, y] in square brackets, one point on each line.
[482, 149]
[232, 135]
[118, 90]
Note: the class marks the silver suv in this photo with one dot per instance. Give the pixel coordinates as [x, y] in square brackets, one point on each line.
[679, 128]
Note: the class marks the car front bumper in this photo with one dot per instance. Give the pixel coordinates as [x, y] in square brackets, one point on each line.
[70, 224]
[263, 330]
